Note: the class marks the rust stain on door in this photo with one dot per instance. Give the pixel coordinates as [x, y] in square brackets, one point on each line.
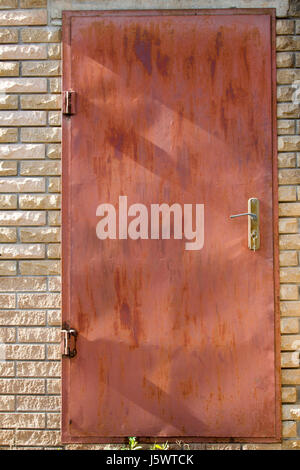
[171, 108]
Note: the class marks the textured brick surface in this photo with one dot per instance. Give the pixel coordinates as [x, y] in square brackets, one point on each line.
[30, 250]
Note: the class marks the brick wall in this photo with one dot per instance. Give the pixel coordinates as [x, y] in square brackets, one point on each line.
[30, 168]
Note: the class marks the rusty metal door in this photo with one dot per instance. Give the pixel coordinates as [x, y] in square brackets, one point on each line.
[174, 340]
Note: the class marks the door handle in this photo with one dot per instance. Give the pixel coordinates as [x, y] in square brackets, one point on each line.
[253, 223]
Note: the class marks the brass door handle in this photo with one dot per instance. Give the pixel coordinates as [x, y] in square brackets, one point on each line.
[253, 223]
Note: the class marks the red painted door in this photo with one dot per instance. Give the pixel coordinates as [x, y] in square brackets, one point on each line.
[176, 317]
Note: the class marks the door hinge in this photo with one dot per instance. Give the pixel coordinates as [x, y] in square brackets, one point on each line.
[68, 342]
[69, 102]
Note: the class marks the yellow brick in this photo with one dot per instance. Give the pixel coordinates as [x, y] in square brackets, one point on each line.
[289, 429]
[291, 411]
[7, 235]
[287, 193]
[289, 325]
[288, 258]
[22, 51]
[23, 118]
[22, 151]
[39, 300]
[291, 176]
[289, 360]
[116, 447]
[7, 335]
[291, 376]
[291, 445]
[55, 85]
[41, 101]
[23, 85]
[23, 283]
[54, 185]
[289, 209]
[41, 167]
[54, 283]
[8, 35]
[33, 3]
[9, 4]
[49, 134]
[288, 225]
[24, 351]
[54, 385]
[54, 251]
[23, 317]
[287, 76]
[54, 51]
[285, 26]
[8, 268]
[49, 201]
[285, 93]
[8, 102]
[22, 185]
[289, 275]
[288, 110]
[40, 235]
[222, 446]
[7, 403]
[261, 447]
[8, 168]
[289, 292]
[9, 69]
[54, 151]
[289, 142]
[285, 126]
[8, 201]
[25, 17]
[54, 218]
[54, 118]
[286, 160]
[53, 420]
[38, 369]
[45, 68]
[54, 317]
[7, 369]
[22, 218]
[7, 301]
[40, 35]
[39, 335]
[289, 242]
[284, 59]
[290, 308]
[44, 438]
[53, 351]
[22, 420]
[7, 438]
[32, 386]
[290, 343]
[287, 43]
[34, 403]
[42, 267]
[23, 251]
[8, 135]
[288, 394]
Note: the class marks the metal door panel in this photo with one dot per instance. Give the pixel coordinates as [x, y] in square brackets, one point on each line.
[171, 107]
